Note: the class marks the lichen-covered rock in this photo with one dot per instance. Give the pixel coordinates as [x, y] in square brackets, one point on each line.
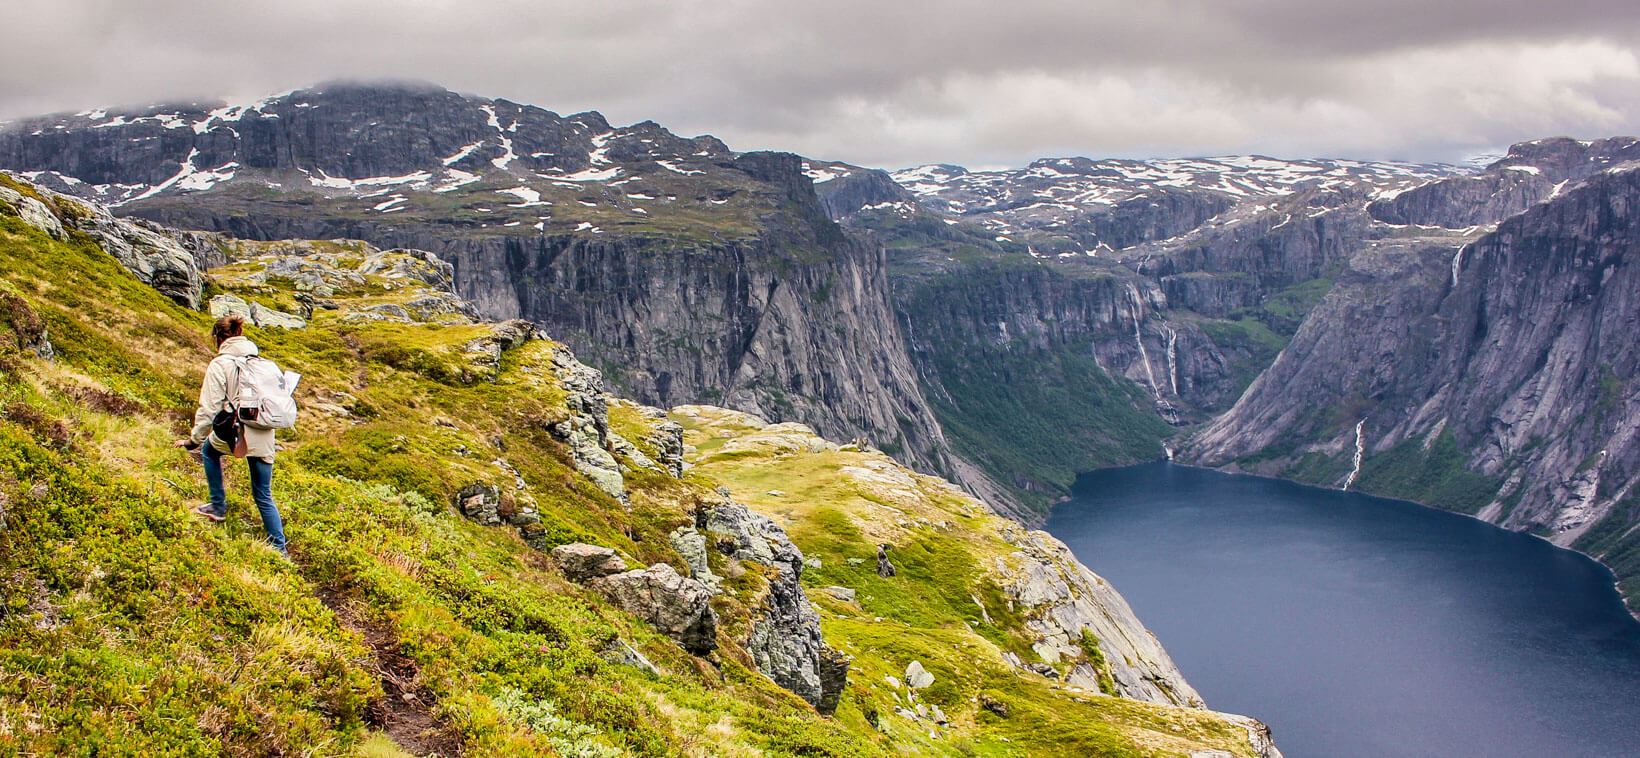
[229, 305]
[481, 503]
[581, 562]
[1065, 603]
[666, 439]
[266, 317]
[586, 431]
[844, 594]
[691, 545]
[31, 211]
[145, 249]
[785, 641]
[486, 351]
[416, 265]
[676, 605]
[253, 312]
[917, 677]
[440, 307]
[833, 669]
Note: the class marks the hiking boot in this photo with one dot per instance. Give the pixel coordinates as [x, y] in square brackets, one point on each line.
[211, 513]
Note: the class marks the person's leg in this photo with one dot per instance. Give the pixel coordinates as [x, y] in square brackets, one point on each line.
[262, 491]
[218, 507]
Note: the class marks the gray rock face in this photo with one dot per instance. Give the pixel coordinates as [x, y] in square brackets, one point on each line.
[859, 188]
[150, 252]
[587, 431]
[834, 666]
[1517, 347]
[1064, 602]
[678, 606]
[31, 211]
[785, 641]
[1531, 173]
[805, 338]
[691, 545]
[581, 562]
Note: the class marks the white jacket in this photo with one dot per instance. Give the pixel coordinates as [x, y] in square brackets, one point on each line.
[220, 386]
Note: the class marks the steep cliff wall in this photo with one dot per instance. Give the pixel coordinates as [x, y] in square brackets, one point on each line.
[1495, 377]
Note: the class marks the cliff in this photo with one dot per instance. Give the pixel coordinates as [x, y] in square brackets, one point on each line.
[1489, 374]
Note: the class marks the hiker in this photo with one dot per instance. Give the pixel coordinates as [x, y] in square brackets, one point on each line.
[218, 431]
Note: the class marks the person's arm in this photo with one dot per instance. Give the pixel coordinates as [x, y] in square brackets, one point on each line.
[212, 392]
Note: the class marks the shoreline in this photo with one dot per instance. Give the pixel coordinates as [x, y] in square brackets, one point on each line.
[1635, 614]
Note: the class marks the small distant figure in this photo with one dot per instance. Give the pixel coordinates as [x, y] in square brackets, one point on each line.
[884, 567]
[218, 430]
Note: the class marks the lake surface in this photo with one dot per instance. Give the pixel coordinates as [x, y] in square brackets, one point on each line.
[1359, 627]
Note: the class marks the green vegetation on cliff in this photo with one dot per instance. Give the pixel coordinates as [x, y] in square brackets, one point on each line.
[1038, 418]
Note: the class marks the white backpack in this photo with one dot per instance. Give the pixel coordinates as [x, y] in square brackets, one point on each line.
[265, 400]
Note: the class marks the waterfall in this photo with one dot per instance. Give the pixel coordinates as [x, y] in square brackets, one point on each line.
[1165, 407]
[1457, 263]
[1172, 359]
[1360, 448]
[1138, 339]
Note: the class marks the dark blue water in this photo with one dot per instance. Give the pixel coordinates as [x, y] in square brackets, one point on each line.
[1359, 627]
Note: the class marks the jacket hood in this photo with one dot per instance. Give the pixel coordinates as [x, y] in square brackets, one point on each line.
[238, 347]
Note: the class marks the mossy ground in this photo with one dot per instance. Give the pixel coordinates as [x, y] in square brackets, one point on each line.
[129, 627]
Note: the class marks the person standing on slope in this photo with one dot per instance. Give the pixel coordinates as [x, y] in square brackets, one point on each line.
[214, 423]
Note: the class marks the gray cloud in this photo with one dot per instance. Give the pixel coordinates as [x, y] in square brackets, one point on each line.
[897, 83]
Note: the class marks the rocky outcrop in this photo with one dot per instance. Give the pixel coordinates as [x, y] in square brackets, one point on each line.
[587, 431]
[675, 605]
[152, 253]
[885, 567]
[857, 189]
[31, 211]
[580, 562]
[1067, 606]
[253, 312]
[789, 325]
[784, 640]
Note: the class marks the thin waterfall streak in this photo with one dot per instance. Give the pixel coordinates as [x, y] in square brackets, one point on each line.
[1360, 449]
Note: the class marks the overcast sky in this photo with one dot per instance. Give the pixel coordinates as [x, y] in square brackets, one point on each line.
[894, 83]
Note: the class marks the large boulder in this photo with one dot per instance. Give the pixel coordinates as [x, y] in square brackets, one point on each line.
[253, 312]
[581, 562]
[676, 605]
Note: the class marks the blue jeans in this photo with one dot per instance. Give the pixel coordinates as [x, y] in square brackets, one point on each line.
[261, 491]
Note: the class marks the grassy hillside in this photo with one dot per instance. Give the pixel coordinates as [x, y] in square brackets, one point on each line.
[129, 627]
